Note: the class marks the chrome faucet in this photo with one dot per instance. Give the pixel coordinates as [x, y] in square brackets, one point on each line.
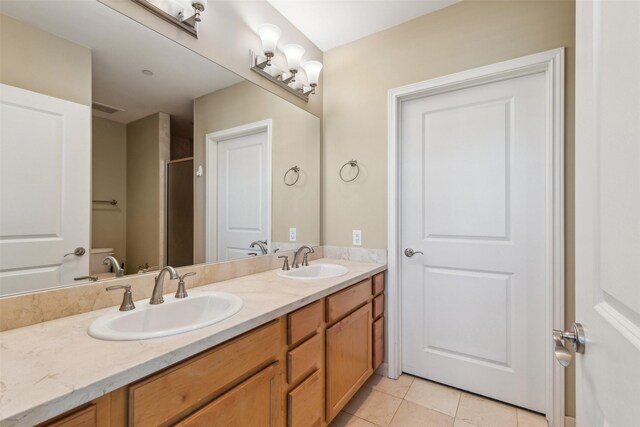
[296, 256]
[262, 244]
[115, 265]
[156, 296]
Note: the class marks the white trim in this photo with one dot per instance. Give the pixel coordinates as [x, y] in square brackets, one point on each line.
[211, 179]
[552, 64]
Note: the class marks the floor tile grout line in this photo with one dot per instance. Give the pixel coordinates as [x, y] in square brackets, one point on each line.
[396, 411]
[388, 394]
[457, 406]
[370, 422]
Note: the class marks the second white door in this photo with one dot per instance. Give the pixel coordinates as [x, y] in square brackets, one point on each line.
[244, 199]
[473, 201]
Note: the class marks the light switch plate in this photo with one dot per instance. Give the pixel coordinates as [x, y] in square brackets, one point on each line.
[357, 237]
[292, 234]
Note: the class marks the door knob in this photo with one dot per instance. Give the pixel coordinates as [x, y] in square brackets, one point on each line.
[575, 336]
[79, 251]
[410, 252]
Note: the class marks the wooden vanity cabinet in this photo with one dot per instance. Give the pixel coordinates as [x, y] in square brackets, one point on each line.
[299, 370]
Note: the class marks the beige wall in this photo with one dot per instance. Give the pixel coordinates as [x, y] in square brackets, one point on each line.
[295, 141]
[357, 77]
[227, 33]
[147, 149]
[38, 61]
[109, 181]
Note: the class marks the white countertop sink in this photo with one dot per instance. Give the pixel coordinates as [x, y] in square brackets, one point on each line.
[174, 316]
[315, 271]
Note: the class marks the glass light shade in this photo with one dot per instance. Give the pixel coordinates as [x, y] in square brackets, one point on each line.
[202, 3]
[294, 53]
[269, 34]
[312, 68]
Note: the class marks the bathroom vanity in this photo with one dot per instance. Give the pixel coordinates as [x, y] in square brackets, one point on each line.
[294, 355]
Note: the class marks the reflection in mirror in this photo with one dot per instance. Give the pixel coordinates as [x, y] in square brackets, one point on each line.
[179, 161]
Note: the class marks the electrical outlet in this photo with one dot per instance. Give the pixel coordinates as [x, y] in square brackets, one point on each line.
[357, 237]
[292, 234]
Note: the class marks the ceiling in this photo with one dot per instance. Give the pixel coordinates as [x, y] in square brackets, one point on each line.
[331, 23]
[120, 49]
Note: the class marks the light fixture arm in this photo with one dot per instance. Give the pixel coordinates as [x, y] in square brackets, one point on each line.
[259, 64]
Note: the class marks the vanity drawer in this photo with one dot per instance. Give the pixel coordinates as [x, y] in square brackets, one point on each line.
[378, 283]
[86, 417]
[178, 390]
[304, 403]
[304, 322]
[251, 403]
[378, 306]
[304, 359]
[345, 301]
[378, 342]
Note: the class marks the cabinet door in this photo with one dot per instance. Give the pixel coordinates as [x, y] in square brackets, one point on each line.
[253, 402]
[349, 358]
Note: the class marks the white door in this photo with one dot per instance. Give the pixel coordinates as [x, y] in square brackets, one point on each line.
[608, 212]
[45, 186]
[243, 194]
[474, 168]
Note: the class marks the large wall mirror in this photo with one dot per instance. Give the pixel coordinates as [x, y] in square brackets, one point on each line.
[177, 161]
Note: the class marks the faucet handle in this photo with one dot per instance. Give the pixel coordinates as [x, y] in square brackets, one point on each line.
[285, 265]
[182, 289]
[305, 261]
[127, 300]
[193, 273]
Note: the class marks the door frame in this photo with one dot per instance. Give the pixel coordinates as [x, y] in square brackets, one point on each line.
[551, 63]
[211, 179]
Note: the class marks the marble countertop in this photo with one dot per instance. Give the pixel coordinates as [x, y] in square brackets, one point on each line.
[49, 368]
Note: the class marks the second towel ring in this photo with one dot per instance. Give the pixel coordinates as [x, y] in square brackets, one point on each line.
[294, 169]
[353, 164]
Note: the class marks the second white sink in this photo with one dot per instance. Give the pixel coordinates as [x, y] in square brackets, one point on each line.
[315, 271]
[174, 316]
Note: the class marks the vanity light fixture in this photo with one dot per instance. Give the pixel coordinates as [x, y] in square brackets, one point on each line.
[184, 14]
[263, 65]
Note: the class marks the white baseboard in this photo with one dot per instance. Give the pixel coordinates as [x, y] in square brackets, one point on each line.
[383, 370]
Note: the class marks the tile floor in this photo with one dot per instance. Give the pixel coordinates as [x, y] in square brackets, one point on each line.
[414, 402]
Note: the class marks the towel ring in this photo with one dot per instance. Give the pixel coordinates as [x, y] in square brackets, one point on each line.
[295, 170]
[353, 164]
